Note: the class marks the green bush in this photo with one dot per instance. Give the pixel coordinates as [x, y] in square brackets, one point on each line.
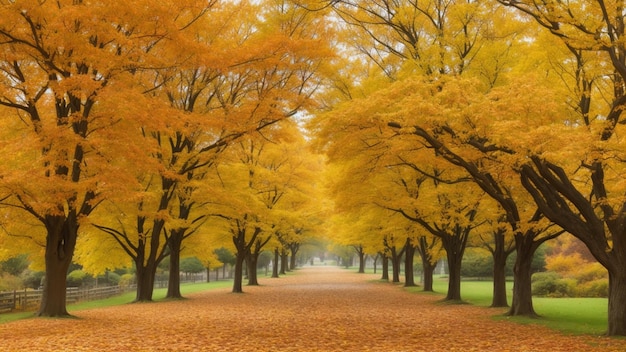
[126, 280]
[550, 284]
[78, 278]
[477, 262]
[113, 278]
[33, 279]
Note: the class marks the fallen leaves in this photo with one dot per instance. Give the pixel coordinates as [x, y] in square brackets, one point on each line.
[319, 309]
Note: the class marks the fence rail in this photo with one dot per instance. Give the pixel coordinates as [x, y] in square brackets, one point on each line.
[29, 299]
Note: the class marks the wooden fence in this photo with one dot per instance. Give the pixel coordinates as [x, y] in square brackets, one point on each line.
[30, 299]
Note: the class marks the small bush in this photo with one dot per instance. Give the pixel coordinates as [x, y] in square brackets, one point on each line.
[550, 284]
[33, 279]
[477, 262]
[78, 278]
[10, 282]
[113, 278]
[595, 288]
[591, 272]
[126, 280]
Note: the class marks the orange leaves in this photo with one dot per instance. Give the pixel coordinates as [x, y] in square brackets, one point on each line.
[319, 309]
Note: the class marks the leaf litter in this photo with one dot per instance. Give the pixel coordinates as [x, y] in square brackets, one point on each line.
[318, 309]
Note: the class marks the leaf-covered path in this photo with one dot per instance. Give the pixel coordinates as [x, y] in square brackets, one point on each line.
[318, 309]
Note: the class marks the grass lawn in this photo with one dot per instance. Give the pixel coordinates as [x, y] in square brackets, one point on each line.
[568, 315]
[128, 297]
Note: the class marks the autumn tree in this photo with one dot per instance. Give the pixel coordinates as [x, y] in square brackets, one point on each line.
[588, 203]
[429, 249]
[60, 78]
[530, 227]
[239, 74]
[449, 212]
[268, 176]
[498, 240]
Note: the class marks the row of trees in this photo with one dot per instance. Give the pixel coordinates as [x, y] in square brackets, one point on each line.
[174, 127]
[494, 121]
[153, 129]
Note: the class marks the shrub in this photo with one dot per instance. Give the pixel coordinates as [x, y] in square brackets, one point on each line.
[590, 272]
[10, 282]
[595, 288]
[550, 284]
[78, 278]
[126, 280]
[113, 278]
[33, 279]
[477, 262]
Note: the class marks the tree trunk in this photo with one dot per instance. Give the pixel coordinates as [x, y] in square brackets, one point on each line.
[409, 253]
[60, 244]
[499, 298]
[395, 265]
[376, 261]
[522, 289]
[252, 259]
[454, 277]
[284, 262]
[424, 250]
[208, 274]
[145, 281]
[385, 267]
[617, 303]
[238, 281]
[361, 254]
[454, 244]
[500, 253]
[173, 284]
[275, 263]
[429, 269]
[294, 248]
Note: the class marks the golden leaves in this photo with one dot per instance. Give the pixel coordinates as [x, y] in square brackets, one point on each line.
[319, 309]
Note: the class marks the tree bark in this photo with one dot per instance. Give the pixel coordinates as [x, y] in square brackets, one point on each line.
[522, 288]
[294, 248]
[243, 247]
[376, 261]
[145, 281]
[429, 269]
[385, 267]
[284, 262]
[275, 263]
[454, 244]
[409, 254]
[617, 303]
[454, 277]
[238, 281]
[499, 298]
[424, 248]
[60, 244]
[395, 265]
[252, 260]
[361, 254]
[499, 253]
[173, 283]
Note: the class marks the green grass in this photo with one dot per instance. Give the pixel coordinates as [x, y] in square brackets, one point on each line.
[575, 316]
[569, 315]
[128, 297]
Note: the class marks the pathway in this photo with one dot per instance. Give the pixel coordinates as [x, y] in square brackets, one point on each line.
[317, 309]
